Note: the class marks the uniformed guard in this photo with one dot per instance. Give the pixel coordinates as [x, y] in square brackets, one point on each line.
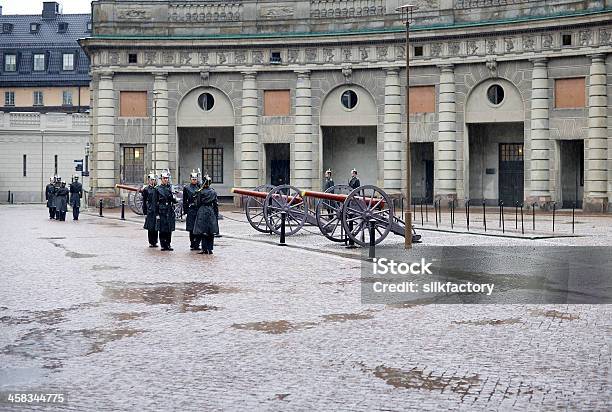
[329, 182]
[165, 211]
[354, 182]
[191, 208]
[206, 224]
[50, 196]
[61, 201]
[148, 207]
[58, 185]
[76, 193]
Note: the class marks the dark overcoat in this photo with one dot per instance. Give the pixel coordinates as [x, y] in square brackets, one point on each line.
[328, 183]
[164, 207]
[354, 183]
[50, 195]
[148, 207]
[76, 193]
[190, 206]
[208, 213]
[61, 199]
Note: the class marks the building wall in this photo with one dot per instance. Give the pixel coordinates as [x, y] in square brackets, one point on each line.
[52, 96]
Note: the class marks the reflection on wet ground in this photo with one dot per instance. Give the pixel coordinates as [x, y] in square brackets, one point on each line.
[70, 253]
[555, 314]
[104, 267]
[45, 317]
[283, 326]
[163, 293]
[491, 322]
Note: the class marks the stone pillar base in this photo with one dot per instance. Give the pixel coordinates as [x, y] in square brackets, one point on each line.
[541, 202]
[595, 204]
[109, 198]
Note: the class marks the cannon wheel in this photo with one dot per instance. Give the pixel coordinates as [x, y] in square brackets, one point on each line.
[363, 205]
[254, 210]
[135, 202]
[329, 214]
[285, 198]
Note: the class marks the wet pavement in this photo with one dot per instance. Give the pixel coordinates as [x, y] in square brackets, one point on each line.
[89, 310]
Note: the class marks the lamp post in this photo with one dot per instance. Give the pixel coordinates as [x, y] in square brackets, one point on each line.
[406, 12]
[155, 96]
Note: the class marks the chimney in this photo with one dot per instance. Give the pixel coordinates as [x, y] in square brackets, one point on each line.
[50, 10]
[0, 10]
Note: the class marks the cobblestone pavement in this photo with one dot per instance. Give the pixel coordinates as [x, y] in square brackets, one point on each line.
[86, 308]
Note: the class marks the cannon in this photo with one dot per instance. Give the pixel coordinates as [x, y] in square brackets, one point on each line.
[339, 212]
[135, 199]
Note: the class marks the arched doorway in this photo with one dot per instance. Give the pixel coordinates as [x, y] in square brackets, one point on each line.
[205, 130]
[494, 117]
[348, 134]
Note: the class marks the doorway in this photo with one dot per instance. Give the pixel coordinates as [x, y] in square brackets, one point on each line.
[572, 173]
[278, 160]
[511, 174]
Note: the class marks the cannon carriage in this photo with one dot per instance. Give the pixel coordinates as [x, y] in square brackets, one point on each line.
[340, 213]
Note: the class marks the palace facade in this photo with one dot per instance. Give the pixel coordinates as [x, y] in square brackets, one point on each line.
[508, 99]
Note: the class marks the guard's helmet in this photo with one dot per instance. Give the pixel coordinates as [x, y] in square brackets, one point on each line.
[151, 176]
[328, 171]
[207, 180]
[76, 177]
[165, 173]
[354, 171]
[58, 179]
[63, 183]
[194, 174]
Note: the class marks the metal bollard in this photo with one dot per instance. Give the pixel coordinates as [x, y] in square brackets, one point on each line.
[533, 215]
[500, 211]
[12, 198]
[554, 209]
[436, 211]
[450, 209]
[467, 214]
[372, 250]
[282, 234]
[101, 208]
[9, 197]
[421, 211]
[522, 222]
[122, 209]
[573, 215]
[503, 221]
[426, 213]
[484, 214]
[413, 209]
[516, 205]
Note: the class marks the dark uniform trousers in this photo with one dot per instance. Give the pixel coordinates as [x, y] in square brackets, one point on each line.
[51, 213]
[75, 213]
[194, 240]
[208, 242]
[164, 239]
[152, 237]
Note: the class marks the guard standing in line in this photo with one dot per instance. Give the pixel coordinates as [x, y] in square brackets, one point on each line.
[58, 185]
[148, 207]
[165, 211]
[50, 196]
[206, 224]
[354, 183]
[190, 194]
[329, 182]
[61, 201]
[76, 193]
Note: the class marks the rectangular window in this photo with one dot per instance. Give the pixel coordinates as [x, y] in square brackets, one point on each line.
[133, 104]
[25, 161]
[423, 99]
[277, 103]
[132, 58]
[55, 165]
[212, 163]
[10, 62]
[39, 62]
[133, 164]
[67, 98]
[38, 98]
[9, 98]
[68, 61]
[511, 152]
[570, 93]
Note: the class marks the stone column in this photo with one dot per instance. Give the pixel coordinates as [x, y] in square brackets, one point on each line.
[304, 175]
[540, 135]
[249, 153]
[596, 179]
[104, 141]
[447, 138]
[392, 173]
[160, 124]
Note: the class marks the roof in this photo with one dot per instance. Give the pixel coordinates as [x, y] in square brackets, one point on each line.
[47, 40]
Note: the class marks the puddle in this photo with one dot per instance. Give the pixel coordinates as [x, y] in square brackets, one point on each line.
[123, 317]
[554, 314]
[181, 294]
[70, 253]
[274, 327]
[342, 282]
[45, 317]
[104, 267]
[280, 396]
[491, 322]
[52, 238]
[343, 317]
[417, 379]
[54, 345]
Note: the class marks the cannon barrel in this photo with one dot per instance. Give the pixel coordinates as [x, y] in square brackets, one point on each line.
[130, 188]
[336, 197]
[261, 195]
